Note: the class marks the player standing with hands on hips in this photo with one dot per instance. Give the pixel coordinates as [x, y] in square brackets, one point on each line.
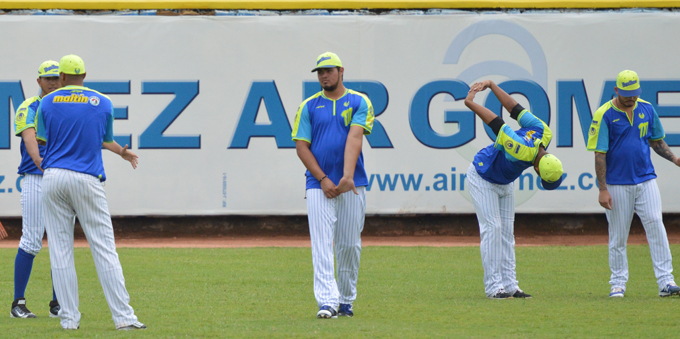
[75, 122]
[32, 221]
[328, 134]
[621, 134]
[491, 179]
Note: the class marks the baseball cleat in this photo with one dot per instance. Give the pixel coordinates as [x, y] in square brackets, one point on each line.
[135, 326]
[19, 309]
[617, 292]
[346, 310]
[670, 289]
[326, 312]
[520, 294]
[501, 294]
[54, 309]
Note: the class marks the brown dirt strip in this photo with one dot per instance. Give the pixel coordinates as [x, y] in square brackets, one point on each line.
[404, 241]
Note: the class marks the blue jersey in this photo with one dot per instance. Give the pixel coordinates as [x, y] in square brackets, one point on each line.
[325, 124]
[626, 141]
[75, 121]
[514, 151]
[24, 119]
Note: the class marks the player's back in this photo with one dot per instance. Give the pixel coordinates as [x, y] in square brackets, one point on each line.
[76, 121]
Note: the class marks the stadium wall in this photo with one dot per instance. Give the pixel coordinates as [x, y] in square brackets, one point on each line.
[208, 103]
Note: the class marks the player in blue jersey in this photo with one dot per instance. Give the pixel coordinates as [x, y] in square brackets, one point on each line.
[491, 179]
[75, 122]
[32, 223]
[622, 131]
[328, 134]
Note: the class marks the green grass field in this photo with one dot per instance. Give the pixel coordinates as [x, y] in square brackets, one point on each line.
[416, 292]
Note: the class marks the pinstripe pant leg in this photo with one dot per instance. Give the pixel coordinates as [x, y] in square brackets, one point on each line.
[33, 223]
[92, 209]
[619, 218]
[59, 224]
[322, 215]
[485, 198]
[648, 208]
[507, 212]
[351, 212]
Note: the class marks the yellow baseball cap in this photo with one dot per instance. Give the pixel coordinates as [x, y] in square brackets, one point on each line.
[551, 171]
[72, 64]
[628, 84]
[49, 68]
[327, 60]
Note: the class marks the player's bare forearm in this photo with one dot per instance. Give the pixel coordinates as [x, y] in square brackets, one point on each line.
[601, 170]
[484, 113]
[122, 151]
[506, 100]
[661, 148]
[31, 143]
[353, 145]
[305, 154]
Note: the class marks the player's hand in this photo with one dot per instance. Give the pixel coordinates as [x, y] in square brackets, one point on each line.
[605, 199]
[38, 163]
[346, 185]
[328, 188]
[129, 156]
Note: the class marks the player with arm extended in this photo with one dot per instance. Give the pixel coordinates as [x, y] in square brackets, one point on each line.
[328, 134]
[75, 122]
[32, 222]
[491, 179]
[621, 134]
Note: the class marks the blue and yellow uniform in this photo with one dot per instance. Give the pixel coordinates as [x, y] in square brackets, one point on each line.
[325, 123]
[514, 151]
[24, 119]
[613, 133]
[82, 119]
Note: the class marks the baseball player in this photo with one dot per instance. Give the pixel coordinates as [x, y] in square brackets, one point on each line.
[32, 223]
[75, 122]
[491, 179]
[328, 134]
[621, 134]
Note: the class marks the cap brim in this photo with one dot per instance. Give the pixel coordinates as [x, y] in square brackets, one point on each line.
[328, 66]
[631, 93]
[48, 76]
[552, 185]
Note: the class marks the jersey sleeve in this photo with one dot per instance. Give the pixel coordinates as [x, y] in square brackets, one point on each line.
[598, 133]
[40, 124]
[302, 127]
[514, 146]
[364, 116]
[528, 120]
[657, 130]
[108, 135]
[25, 118]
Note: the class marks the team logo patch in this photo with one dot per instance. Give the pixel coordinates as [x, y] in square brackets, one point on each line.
[641, 115]
[94, 101]
[592, 130]
[346, 103]
[20, 116]
[509, 145]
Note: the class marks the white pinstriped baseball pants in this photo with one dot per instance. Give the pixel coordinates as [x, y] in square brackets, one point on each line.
[67, 194]
[495, 209]
[645, 200]
[338, 221]
[32, 223]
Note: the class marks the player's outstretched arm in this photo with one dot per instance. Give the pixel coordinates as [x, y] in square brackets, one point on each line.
[307, 157]
[31, 143]
[661, 148]
[484, 113]
[506, 100]
[604, 198]
[122, 151]
[355, 139]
